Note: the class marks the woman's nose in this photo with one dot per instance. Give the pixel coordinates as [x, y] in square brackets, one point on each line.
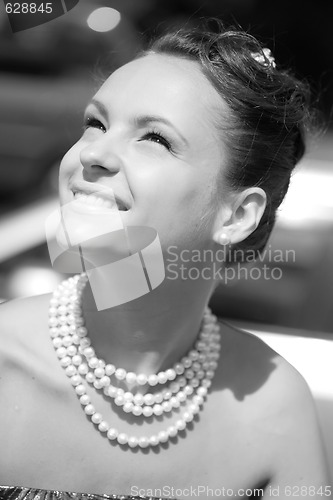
[100, 154]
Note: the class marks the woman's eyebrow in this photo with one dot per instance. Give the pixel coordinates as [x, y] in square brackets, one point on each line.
[144, 120]
[100, 107]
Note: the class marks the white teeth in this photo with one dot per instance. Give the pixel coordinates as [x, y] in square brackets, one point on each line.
[95, 201]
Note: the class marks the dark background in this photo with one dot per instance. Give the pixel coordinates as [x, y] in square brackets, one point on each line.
[49, 72]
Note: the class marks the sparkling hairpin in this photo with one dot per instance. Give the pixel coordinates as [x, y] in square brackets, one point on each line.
[265, 58]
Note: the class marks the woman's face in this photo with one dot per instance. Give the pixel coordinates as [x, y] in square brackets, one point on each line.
[150, 138]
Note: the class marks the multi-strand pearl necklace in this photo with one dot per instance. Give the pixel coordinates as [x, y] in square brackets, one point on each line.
[187, 381]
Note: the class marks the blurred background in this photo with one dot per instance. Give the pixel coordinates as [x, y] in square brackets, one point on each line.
[48, 73]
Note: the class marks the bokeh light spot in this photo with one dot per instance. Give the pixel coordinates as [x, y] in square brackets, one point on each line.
[104, 19]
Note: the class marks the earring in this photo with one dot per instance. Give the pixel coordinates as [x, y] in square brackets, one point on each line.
[221, 238]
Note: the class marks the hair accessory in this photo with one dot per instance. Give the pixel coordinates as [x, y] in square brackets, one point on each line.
[187, 381]
[265, 58]
[222, 238]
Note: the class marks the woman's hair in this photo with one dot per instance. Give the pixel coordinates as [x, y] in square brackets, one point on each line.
[269, 112]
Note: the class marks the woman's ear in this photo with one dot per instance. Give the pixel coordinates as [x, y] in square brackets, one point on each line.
[243, 218]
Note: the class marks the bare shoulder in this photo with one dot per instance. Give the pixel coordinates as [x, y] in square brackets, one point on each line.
[23, 331]
[275, 404]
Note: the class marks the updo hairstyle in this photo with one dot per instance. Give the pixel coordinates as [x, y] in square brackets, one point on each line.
[269, 113]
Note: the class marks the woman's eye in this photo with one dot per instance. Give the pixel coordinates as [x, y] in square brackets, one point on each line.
[93, 123]
[158, 139]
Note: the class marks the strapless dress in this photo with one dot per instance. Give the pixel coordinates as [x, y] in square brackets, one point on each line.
[19, 493]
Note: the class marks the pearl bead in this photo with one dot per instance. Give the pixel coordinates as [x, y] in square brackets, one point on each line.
[188, 390]
[142, 379]
[198, 400]
[137, 410]
[103, 426]
[128, 396]
[83, 369]
[88, 352]
[93, 362]
[148, 399]
[120, 374]
[105, 381]
[171, 374]
[77, 360]
[64, 330]
[90, 377]
[153, 441]
[133, 442]
[82, 331]
[182, 381]
[174, 387]
[189, 374]
[202, 391]
[180, 425]
[57, 342]
[97, 384]
[128, 407]
[122, 438]
[99, 372]
[147, 411]
[174, 401]
[193, 408]
[89, 409]
[186, 362]
[84, 400]
[112, 434]
[66, 361]
[109, 370]
[71, 350]
[181, 396]
[167, 406]
[130, 377]
[70, 371]
[112, 391]
[157, 409]
[62, 320]
[187, 416]
[163, 436]
[80, 390]
[96, 418]
[85, 343]
[138, 399]
[162, 378]
[158, 397]
[194, 382]
[172, 431]
[53, 321]
[61, 352]
[206, 383]
[119, 400]
[54, 332]
[76, 380]
[193, 355]
[143, 442]
[152, 380]
[179, 369]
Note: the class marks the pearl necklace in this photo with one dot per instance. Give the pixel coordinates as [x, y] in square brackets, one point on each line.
[189, 379]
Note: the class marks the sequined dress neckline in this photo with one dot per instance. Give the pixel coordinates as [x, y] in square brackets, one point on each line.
[21, 493]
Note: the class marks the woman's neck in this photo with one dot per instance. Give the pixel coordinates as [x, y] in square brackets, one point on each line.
[152, 332]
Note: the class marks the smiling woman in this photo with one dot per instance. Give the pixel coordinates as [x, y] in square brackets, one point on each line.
[194, 140]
